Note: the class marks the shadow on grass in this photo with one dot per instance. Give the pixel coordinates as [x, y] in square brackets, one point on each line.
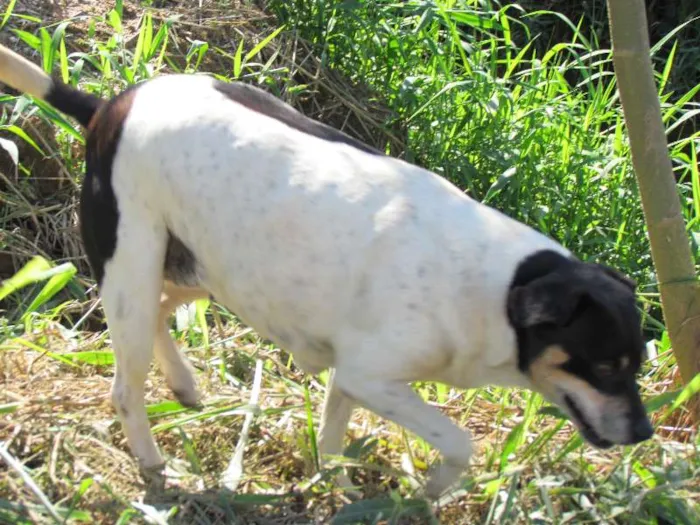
[219, 506]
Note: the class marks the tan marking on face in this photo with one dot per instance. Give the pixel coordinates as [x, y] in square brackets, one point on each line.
[553, 356]
[549, 378]
[605, 413]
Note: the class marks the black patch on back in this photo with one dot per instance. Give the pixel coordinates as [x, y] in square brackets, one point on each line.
[266, 104]
[180, 263]
[99, 215]
[68, 100]
[588, 312]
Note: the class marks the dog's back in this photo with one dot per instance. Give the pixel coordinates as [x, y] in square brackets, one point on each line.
[281, 223]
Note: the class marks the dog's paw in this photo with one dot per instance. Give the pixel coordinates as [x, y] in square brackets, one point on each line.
[343, 482]
[184, 386]
[153, 477]
[442, 477]
[188, 397]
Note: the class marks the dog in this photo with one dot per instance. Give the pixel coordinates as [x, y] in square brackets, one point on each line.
[348, 258]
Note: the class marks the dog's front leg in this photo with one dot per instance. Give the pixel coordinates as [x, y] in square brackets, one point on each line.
[398, 402]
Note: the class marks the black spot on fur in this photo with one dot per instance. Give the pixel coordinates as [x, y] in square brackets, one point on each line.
[99, 215]
[180, 264]
[269, 105]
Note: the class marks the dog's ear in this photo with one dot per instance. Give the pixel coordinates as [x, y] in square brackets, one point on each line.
[620, 277]
[539, 303]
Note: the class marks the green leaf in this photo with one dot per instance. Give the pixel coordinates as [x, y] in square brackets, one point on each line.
[310, 431]
[63, 60]
[201, 306]
[9, 408]
[164, 408]
[360, 447]
[55, 45]
[31, 40]
[190, 452]
[513, 441]
[257, 499]
[127, 517]
[147, 31]
[37, 348]
[115, 20]
[473, 20]
[8, 13]
[230, 410]
[551, 410]
[61, 275]
[92, 357]
[690, 390]
[139, 46]
[237, 60]
[46, 51]
[262, 44]
[35, 270]
[21, 133]
[661, 400]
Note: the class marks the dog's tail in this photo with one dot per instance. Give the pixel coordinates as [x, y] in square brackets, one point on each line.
[21, 74]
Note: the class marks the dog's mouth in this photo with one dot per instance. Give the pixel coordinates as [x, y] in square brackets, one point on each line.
[586, 429]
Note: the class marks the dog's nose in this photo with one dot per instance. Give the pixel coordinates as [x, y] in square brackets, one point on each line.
[642, 430]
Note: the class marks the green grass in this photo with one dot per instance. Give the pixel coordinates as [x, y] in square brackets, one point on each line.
[536, 134]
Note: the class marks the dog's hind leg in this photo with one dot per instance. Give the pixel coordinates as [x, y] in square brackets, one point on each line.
[131, 290]
[335, 416]
[175, 367]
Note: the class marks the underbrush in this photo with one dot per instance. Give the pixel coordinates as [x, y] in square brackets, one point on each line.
[443, 84]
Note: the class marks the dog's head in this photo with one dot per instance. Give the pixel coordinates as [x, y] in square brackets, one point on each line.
[580, 344]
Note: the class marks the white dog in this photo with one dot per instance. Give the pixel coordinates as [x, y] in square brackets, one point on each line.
[343, 256]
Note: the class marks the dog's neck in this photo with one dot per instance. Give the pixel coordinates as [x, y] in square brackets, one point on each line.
[481, 337]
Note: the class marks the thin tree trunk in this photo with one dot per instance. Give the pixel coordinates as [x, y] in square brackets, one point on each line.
[670, 245]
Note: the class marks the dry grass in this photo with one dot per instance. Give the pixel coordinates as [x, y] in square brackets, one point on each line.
[60, 425]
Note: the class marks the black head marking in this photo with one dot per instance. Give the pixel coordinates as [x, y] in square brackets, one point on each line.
[579, 341]
[587, 310]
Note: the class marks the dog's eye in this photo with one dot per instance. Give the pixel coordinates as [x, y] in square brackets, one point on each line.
[605, 369]
[624, 362]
